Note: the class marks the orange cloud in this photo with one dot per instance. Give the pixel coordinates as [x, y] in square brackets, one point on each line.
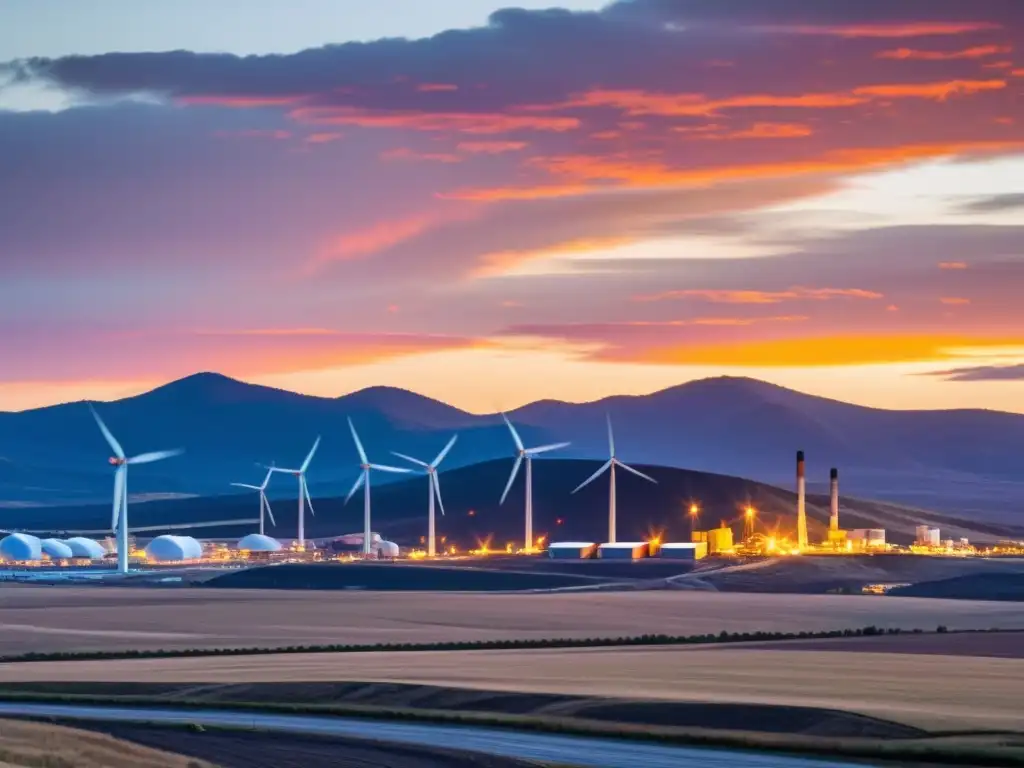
[815, 351]
[762, 131]
[954, 301]
[952, 265]
[936, 91]
[503, 262]
[404, 153]
[763, 297]
[375, 238]
[436, 87]
[464, 122]
[253, 134]
[588, 170]
[894, 30]
[1017, 72]
[606, 135]
[241, 102]
[490, 147]
[977, 52]
[323, 138]
[999, 65]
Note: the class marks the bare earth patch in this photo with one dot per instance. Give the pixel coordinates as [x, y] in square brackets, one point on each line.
[926, 691]
[38, 745]
[44, 619]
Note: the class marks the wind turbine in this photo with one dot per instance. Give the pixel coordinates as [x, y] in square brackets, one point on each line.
[303, 490]
[119, 522]
[528, 454]
[433, 488]
[264, 501]
[610, 465]
[364, 480]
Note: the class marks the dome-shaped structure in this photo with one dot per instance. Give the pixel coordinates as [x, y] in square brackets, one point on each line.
[56, 549]
[257, 542]
[386, 548]
[20, 546]
[83, 547]
[174, 549]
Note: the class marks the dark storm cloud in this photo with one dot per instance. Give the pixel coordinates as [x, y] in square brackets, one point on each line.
[982, 373]
[995, 203]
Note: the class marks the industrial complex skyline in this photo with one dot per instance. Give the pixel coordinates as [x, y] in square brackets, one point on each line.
[565, 203]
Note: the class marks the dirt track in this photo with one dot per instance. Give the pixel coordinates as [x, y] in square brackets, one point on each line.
[925, 691]
[107, 618]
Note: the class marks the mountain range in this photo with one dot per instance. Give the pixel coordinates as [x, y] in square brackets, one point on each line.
[962, 461]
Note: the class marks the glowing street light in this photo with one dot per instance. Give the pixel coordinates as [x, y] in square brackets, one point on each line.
[694, 514]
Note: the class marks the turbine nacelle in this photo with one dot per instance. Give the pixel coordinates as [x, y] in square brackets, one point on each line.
[117, 462]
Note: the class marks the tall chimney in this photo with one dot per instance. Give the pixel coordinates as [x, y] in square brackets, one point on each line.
[833, 519]
[801, 503]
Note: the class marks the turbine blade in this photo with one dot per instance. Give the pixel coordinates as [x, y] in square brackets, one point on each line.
[515, 435]
[119, 479]
[546, 448]
[385, 468]
[359, 482]
[309, 457]
[594, 476]
[284, 470]
[611, 437]
[266, 480]
[444, 451]
[511, 478]
[409, 458]
[246, 485]
[111, 440]
[635, 471]
[359, 445]
[270, 512]
[437, 490]
[309, 501]
[149, 458]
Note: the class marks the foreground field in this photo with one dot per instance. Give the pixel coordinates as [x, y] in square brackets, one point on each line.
[37, 745]
[931, 692]
[43, 619]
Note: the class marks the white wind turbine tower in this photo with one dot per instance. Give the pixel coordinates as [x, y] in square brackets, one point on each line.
[610, 466]
[264, 501]
[528, 454]
[364, 480]
[434, 488]
[303, 490]
[119, 522]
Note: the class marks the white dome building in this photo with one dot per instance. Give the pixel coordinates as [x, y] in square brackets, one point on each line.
[19, 547]
[86, 548]
[257, 542]
[386, 548]
[174, 549]
[56, 549]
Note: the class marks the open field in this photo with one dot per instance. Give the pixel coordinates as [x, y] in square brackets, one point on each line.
[42, 745]
[48, 619]
[931, 692]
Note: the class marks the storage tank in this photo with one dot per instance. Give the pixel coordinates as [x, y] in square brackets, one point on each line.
[623, 550]
[56, 549]
[86, 548]
[876, 537]
[693, 550]
[572, 550]
[168, 548]
[20, 547]
[257, 542]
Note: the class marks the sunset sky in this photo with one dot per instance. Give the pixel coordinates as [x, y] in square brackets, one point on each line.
[494, 205]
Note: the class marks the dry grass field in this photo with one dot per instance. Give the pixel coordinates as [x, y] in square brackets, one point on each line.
[46, 619]
[38, 745]
[932, 692]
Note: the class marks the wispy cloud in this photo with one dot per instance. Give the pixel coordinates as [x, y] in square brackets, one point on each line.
[720, 296]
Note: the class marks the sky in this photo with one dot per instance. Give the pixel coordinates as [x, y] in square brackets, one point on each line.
[491, 205]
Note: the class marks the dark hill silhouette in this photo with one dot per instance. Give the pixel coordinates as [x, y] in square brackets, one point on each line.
[471, 496]
[967, 461]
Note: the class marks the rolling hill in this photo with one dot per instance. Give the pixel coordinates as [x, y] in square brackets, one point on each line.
[963, 462]
[471, 496]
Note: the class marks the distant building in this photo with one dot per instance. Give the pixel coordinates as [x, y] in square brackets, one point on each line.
[623, 550]
[693, 550]
[572, 550]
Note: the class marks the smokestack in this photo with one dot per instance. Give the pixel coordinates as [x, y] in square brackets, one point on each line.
[801, 502]
[833, 519]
